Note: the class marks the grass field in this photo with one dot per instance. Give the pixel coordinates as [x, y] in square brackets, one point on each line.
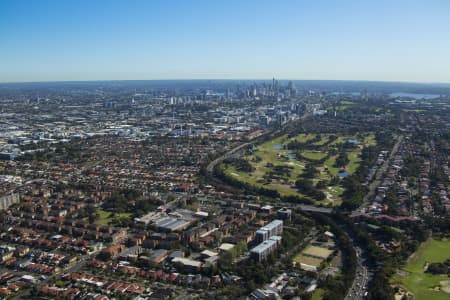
[105, 217]
[421, 284]
[318, 294]
[303, 259]
[312, 255]
[314, 155]
[303, 137]
[354, 162]
[275, 153]
[317, 252]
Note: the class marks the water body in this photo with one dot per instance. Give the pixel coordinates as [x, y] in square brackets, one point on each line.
[292, 155]
[343, 174]
[415, 95]
[277, 147]
[353, 141]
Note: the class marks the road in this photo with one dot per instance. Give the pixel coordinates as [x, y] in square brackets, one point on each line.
[304, 207]
[235, 152]
[380, 172]
[23, 294]
[312, 208]
[360, 284]
[231, 153]
[362, 275]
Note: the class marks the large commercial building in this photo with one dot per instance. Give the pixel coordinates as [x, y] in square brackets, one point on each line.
[172, 224]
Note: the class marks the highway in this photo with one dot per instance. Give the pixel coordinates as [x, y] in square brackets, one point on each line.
[359, 287]
[231, 153]
[362, 275]
[235, 152]
[360, 284]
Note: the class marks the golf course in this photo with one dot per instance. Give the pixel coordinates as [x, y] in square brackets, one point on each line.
[317, 161]
[417, 281]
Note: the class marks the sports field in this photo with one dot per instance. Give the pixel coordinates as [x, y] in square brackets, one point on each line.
[424, 285]
[318, 252]
[302, 259]
[312, 255]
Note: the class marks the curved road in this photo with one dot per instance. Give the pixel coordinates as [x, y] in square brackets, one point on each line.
[235, 153]
[231, 153]
[362, 276]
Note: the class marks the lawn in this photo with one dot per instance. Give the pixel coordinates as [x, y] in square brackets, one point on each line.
[303, 259]
[419, 282]
[324, 139]
[313, 155]
[312, 256]
[369, 140]
[105, 217]
[318, 294]
[318, 252]
[303, 137]
[329, 164]
[354, 161]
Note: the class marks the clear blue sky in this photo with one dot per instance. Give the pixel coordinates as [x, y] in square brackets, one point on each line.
[389, 40]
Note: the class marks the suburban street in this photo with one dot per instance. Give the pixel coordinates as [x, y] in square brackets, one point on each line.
[376, 182]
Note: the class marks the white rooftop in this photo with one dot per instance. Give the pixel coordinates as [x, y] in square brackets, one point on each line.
[226, 246]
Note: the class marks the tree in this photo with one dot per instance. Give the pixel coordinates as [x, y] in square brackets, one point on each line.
[92, 213]
[310, 171]
[342, 160]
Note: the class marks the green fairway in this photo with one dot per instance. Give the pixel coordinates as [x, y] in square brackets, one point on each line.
[304, 137]
[354, 162]
[334, 193]
[314, 155]
[424, 285]
[329, 165]
[277, 164]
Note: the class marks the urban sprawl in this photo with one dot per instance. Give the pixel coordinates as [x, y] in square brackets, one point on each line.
[223, 190]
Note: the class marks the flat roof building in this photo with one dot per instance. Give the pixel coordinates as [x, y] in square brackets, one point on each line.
[273, 228]
[263, 250]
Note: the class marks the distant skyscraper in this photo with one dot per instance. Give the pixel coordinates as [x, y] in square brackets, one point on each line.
[291, 88]
[290, 85]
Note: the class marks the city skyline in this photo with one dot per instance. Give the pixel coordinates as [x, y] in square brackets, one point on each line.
[329, 40]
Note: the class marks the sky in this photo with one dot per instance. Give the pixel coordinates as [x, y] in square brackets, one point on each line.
[382, 40]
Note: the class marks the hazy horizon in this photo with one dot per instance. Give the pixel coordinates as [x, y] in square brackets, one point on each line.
[51, 41]
[230, 79]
